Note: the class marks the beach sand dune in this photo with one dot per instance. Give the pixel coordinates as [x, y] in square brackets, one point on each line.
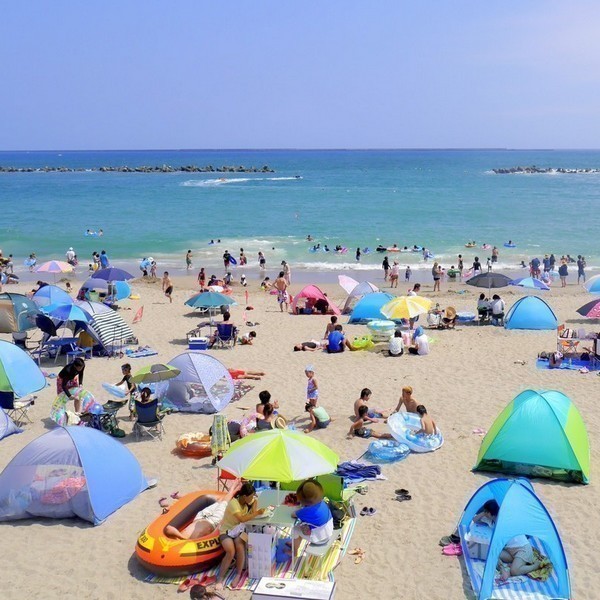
[468, 378]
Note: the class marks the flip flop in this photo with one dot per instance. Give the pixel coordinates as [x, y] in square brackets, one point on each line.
[364, 512]
[163, 502]
[403, 498]
[372, 511]
[359, 559]
[186, 584]
[401, 492]
[356, 551]
[452, 550]
[175, 496]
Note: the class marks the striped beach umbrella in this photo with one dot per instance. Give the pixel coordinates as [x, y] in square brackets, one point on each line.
[54, 267]
[279, 455]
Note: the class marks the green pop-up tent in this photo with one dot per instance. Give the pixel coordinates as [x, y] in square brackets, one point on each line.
[540, 434]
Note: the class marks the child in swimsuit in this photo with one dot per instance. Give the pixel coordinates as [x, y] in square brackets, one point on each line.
[312, 387]
[358, 428]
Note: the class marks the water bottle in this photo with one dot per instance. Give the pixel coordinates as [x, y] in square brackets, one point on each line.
[291, 427]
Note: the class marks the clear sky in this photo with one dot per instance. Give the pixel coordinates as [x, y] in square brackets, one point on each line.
[299, 74]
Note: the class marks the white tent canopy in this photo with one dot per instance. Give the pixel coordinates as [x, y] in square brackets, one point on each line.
[358, 291]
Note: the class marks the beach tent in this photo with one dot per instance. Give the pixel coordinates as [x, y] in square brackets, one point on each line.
[17, 313]
[106, 326]
[313, 293]
[521, 513]
[7, 426]
[51, 294]
[540, 434]
[204, 384]
[360, 290]
[530, 312]
[369, 307]
[70, 472]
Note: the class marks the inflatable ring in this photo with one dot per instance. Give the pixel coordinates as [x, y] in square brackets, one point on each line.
[507, 245]
[469, 245]
[388, 450]
[194, 444]
[404, 424]
[167, 556]
[363, 343]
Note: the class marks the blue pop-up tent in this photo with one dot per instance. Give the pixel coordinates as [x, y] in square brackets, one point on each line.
[521, 512]
[369, 307]
[7, 426]
[530, 312]
[70, 472]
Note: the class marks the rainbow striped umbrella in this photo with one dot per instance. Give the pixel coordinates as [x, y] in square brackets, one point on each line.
[54, 267]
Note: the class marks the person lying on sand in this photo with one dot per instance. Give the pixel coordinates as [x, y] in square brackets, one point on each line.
[207, 520]
[311, 346]
[372, 416]
[406, 400]
[241, 374]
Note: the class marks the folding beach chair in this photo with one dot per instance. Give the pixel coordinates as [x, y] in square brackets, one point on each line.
[225, 336]
[149, 420]
[17, 409]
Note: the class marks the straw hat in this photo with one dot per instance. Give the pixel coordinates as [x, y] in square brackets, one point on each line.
[450, 312]
[280, 422]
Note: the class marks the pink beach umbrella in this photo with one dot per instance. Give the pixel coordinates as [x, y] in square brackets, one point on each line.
[54, 267]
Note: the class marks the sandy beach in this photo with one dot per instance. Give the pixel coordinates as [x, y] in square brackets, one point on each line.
[471, 374]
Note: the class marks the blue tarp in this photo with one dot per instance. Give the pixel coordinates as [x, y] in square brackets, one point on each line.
[530, 312]
[521, 513]
[369, 307]
[70, 472]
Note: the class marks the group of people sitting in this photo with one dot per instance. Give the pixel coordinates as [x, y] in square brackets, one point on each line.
[491, 310]
[230, 514]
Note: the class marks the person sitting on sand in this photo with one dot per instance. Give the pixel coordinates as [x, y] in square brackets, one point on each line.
[319, 417]
[337, 342]
[310, 346]
[248, 338]
[358, 428]
[207, 520]
[517, 557]
[420, 343]
[330, 326]
[372, 416]
[266, 284]
[265, 398]
[267, 422]
[428, 426]
[316, 520]
[406, 400]
[396, 345]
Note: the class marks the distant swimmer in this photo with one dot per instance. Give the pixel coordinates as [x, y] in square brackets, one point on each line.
[309, 238]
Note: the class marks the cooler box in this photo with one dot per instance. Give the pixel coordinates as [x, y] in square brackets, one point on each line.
[261, 555]
[272, 588]
[198, 343]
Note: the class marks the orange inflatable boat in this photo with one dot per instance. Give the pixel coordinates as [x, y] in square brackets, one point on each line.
[167, 556]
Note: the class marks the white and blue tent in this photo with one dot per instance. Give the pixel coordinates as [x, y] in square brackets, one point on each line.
[521, 512]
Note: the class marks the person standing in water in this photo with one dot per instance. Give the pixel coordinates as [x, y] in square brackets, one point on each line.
[167, 286]
[386, 267]
[188, 260]
[358, 255]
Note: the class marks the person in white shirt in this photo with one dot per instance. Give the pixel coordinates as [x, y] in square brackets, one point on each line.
[497, 307]
[70, 254]
[396, 347]
[420, 344]
[415, 291]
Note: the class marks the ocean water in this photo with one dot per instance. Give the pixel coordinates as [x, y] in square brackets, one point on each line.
[437, 199]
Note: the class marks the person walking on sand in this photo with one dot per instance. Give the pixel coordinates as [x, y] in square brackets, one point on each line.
[188, 260]
[167, 286]
[282, 294]
[201, 278]
[394, 274]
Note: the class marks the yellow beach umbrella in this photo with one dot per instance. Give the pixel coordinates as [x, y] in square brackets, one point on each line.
[406, 307]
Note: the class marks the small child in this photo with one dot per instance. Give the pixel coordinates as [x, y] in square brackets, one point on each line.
[358, 428]
[407, 273]
[428, 426]
[316, 521]
[372, 416]
[243, 281]
[312, 387]
[248, 338]
[319, 418]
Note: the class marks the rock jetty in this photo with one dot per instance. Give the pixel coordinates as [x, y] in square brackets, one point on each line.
[533, 169]
[142, 169]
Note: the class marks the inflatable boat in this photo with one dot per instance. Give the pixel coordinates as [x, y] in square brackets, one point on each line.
[163, 555]
[404, 424]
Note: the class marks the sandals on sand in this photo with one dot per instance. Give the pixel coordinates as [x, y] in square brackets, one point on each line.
[402, 495]
[452, 550]
[367, 511]
[401, 492]
[358, 554]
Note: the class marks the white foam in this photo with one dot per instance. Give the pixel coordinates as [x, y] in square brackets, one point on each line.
[228, 180]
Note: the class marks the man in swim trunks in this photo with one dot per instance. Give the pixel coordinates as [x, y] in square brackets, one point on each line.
[372, 416]
[406, 399]
[207, 520]
[281, 286]
[167, 286]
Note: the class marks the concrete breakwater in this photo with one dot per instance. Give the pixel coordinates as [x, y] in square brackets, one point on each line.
[141, 169]
[533, 170]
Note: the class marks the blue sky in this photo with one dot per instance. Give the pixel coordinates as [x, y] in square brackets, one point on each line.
[310, 74]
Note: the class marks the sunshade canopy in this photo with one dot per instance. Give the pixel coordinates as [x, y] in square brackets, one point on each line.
[113, 274]
[18, 372]
[406, 307]
[530, 283]
[17, 313]
[530, 312]
[155, 373]
[210, 300]
[369, 307]
[489, 280]
[312, 292]
[51, 294]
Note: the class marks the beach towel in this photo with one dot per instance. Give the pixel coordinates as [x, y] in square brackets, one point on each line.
[219, 439]
[546, 567]
[355, 472]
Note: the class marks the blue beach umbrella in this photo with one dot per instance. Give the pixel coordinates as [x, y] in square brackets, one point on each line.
[51, 294]
[530, 283]
[18, 372]
[113, 274]
[66, 312]
[210, 300]
[593, 285]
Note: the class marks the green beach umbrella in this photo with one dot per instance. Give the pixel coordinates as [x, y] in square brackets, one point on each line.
[540, 434]
[155, 373]
[279, 455]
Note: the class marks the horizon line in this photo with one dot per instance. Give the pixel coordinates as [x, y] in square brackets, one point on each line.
[291, 149]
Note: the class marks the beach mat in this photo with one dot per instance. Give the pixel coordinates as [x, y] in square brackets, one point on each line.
[569, 365]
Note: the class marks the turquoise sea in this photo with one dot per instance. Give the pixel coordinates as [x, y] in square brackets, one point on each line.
[438, 199]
